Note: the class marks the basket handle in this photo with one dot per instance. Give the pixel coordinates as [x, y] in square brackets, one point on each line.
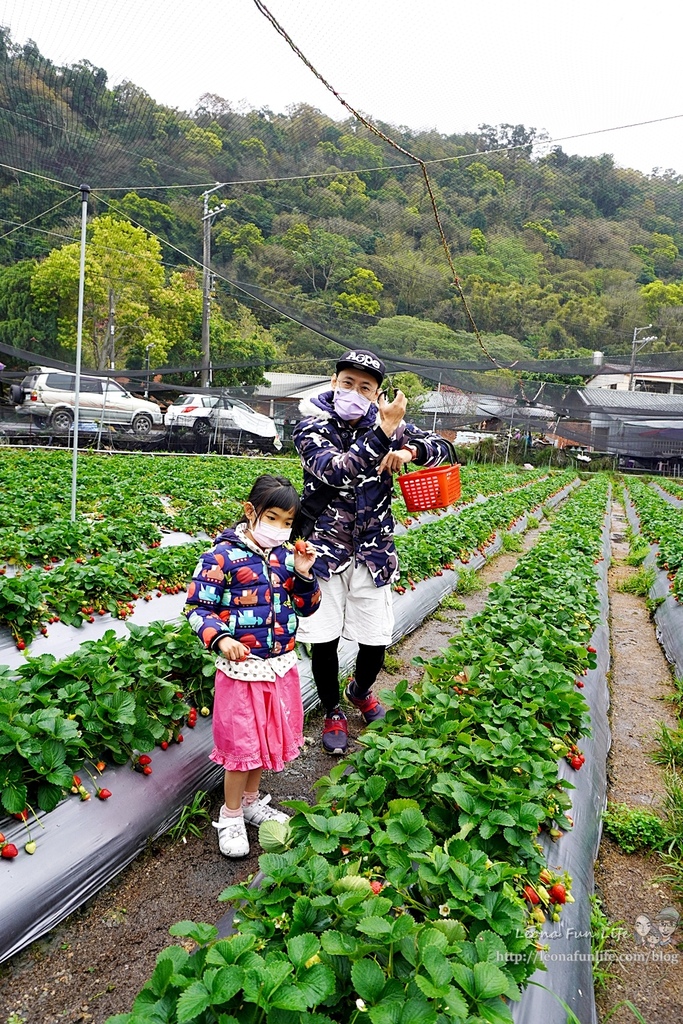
[451, 451]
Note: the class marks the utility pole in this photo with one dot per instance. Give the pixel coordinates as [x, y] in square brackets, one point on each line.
[85, 193]
[147, 348]
[207, 221]
[637, 344]
[111, 330]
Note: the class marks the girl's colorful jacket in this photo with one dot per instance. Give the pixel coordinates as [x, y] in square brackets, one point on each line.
[236, 592]
[357, 523]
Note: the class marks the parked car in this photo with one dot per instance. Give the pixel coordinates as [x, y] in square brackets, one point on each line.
[48, 396]
[213, 414]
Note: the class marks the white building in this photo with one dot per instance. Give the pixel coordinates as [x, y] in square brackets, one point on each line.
[663, 383]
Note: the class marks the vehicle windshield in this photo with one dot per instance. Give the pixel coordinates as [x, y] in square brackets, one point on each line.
[182, 400]
[238, 405]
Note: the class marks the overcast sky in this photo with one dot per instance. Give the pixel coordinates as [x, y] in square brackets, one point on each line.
[568, 68]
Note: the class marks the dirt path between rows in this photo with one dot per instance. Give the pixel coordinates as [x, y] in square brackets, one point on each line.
[650, 977]
[93, 964]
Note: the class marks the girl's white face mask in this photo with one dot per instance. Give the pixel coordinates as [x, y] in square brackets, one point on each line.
[268, 536]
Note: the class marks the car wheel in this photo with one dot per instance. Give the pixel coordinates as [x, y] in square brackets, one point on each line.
[201, 427]
[62, 420]
[142, 424]
[16, 394]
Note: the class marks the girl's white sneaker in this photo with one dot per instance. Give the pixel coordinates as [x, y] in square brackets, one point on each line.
[258, 811]
[232, 836]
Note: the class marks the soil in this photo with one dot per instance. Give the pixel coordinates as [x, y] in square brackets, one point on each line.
[631, 884]
[94, 963]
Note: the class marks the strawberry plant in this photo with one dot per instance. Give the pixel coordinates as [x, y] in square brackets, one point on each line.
[111, 696]
[662, 524]
[75, 591]
[425, 550]
[410, 890]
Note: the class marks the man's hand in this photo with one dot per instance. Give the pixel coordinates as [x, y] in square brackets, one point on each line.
[392, 413]
[232, 650]
[393, 461]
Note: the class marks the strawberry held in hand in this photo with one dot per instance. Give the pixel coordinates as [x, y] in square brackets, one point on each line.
[304, 557]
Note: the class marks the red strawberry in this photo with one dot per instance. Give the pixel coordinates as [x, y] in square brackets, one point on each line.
[376, 887]
[531, 895]
[557, 893]
[576, 762]
[8, 851]
[2, 838]
[147, 770]
[104, 794]
[144, 759]
[179, 738]
[21, 645]
[77, 780]
[591, 650]
[164, 744]
[300, 546]
[100, 766]
[22, 815]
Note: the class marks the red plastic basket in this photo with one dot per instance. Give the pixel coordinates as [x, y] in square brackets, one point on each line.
[430, 488]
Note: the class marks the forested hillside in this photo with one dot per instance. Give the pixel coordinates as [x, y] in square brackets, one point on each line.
[557, 254]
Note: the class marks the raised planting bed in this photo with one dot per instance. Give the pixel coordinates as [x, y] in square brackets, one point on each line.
[58, 571]
[662, 526]
[123, 694]
[412, 891]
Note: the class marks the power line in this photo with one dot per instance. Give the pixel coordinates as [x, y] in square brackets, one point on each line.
[39, 215]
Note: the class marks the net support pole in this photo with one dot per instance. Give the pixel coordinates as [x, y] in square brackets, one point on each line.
[85, 192]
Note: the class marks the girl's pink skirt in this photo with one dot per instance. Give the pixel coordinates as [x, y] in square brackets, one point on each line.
[257, 724]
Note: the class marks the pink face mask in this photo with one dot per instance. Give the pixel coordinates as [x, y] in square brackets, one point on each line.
[267, 536]
[349, 405]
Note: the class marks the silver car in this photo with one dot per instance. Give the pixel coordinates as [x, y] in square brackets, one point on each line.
[48, 396]
[211, 414]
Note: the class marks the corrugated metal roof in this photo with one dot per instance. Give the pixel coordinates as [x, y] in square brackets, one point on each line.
[632, 401]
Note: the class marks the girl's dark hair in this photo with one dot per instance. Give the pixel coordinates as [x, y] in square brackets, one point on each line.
[270, 491]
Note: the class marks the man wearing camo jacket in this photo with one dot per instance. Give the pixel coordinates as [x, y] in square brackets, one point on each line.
[351, 440]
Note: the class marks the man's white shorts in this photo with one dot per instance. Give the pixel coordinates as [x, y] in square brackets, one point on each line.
[352, 607]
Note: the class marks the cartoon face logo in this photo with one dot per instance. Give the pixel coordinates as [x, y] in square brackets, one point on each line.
[656, 930]
[667, 922]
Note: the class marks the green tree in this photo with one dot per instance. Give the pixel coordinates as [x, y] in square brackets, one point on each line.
[361, 293]
[21, 322]
[657, 295]
[123, 277]
[323, 257]
[478, 241]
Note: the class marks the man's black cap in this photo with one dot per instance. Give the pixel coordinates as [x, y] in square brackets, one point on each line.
[362, 359]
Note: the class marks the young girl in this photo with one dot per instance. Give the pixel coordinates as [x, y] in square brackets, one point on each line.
[243, 602]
